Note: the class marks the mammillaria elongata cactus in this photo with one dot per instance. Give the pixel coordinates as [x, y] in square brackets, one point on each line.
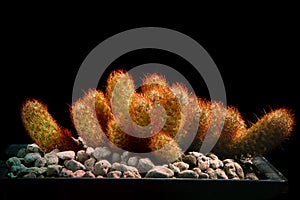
[159, 118]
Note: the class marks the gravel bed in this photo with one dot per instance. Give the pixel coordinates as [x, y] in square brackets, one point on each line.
[102, 162]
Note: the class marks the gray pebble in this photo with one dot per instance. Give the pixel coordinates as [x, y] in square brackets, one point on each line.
[101, 153]
[13, 161]
[101, 167]
[73, 165]
[89, 151]
[144, 165]
[89, 164]
[30, 175]
[40, 162]
[181, 165]
[54, 170]
[114, 174]
[115, 157]
[16, 169]
[33, 148]
[133, 161]
[22, 152]
[66, 155]
[82, 156]
[187, 174]
[51, 158]
[160, 172]
[31, 157]
[66, 173]
[125, 156]
[36, 170]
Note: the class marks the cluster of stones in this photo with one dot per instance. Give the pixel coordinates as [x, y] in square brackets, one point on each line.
[101, 162]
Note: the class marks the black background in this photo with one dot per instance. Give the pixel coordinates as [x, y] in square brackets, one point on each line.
[257, 57]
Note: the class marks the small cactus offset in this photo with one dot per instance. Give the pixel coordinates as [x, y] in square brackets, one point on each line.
[160, 118]
[43, 129]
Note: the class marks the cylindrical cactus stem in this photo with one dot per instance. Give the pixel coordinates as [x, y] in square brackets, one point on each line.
[267, 133]
[119, 91]
[233, 128]
[190, 113]
[103, 110]
[125, 141]
[84, 116]
[164, 148]
[203, 125]
[139, 110]
[43, 129]
[158, 91]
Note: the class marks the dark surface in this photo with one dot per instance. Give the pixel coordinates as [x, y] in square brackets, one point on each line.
[256, 53]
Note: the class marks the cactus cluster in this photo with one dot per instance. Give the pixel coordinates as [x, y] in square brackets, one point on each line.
[158, 118]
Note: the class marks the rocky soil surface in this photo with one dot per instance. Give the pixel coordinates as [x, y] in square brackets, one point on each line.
[102, 162]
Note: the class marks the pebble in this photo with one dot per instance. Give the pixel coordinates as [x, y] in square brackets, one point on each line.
[114, 174]
[101, 153]
[22, 153]
[115, 157]
[66, 173]
[203, 162]
[188, 174]
[79, 173]
[31, 157]
[54, 170]
[191, 160]
[89, 151]
[33, 148]
[89, 174]
[82, 156]
[181, 165]
[89, 164]
[73, 165]
[51, 158]
[66, 155]
[101, 167]
[144, 165]
[40, 162]
[30, 175]
[160, 172]
[13, 161]
[133, 161]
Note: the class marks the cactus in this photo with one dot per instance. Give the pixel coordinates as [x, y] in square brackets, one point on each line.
[165, 149]
[267, 133]
[158, 91]
[43, 129]
[159, 118]
[85, 114]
